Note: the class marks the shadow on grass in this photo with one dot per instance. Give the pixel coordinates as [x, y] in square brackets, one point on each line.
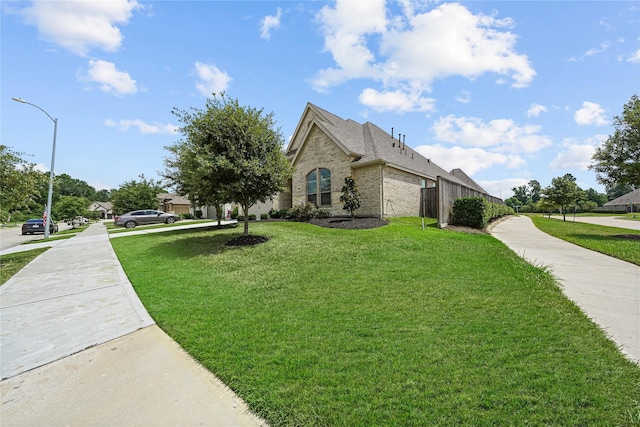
[197, 242]
[607, 238]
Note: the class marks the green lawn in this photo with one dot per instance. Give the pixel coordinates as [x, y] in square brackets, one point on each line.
[10, 264]
[612, 241]
[390, 326]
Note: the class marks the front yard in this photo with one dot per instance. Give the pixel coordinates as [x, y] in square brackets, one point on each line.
[388, 326]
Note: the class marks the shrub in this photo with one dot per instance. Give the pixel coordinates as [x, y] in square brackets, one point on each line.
[274, 213]
[264, 216]
[234, 214]
[305, 212]
[322, 213]
[477, 212]
[198, 214]
[186, 216]
[252, 217]
[240, 218]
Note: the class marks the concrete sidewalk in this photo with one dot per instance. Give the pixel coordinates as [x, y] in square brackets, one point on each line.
[605, 288]
[75, 297]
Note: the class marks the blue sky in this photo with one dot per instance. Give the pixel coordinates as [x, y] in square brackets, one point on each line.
[509, 91]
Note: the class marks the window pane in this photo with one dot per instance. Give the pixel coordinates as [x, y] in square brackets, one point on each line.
[325, 199]
[325, 180]
[312, 183]
[312, 198]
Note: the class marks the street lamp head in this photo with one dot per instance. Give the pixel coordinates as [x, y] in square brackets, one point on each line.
[19, 100]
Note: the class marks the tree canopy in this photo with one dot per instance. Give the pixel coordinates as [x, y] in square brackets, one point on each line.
[229, 153]
[69, 207]
[134, 195]
[563, 192]
[617, 161]
[20, 183]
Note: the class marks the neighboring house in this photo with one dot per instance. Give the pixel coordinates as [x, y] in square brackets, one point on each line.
[325, 149]
[172, 203]
[629, 202]
[104, 208]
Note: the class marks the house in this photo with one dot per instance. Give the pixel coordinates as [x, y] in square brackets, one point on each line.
[104, 208]
[629, 202]
[174, 203]
[325, 149]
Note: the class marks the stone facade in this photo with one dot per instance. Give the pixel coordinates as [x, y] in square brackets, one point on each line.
[401, 193]
[389, 179]
[320, 152]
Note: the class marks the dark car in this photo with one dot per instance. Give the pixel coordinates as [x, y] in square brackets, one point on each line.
[36, 225]
[143, 217]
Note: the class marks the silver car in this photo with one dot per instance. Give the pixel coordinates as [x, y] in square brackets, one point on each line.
[143, 217]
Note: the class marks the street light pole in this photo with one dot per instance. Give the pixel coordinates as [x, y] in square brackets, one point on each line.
[47, 224]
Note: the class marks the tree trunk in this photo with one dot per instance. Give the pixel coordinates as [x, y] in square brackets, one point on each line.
[219, 214]
[245, 209]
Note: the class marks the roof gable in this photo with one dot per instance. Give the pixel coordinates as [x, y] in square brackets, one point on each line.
[627, 199]
[367, 143]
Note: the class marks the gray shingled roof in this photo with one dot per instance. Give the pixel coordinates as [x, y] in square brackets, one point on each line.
[627, 199]
[459, 173]
[372, 144]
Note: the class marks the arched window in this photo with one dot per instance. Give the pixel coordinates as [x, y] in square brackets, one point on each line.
[312, 187]
[322, 192]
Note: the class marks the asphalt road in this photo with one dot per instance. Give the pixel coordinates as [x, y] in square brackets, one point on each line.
[12, 236]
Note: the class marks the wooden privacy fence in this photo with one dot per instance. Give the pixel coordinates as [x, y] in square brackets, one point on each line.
[437, 202]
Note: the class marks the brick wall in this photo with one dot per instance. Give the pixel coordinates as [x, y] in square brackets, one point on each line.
[368, 182]
[320, 152]
[401, 193]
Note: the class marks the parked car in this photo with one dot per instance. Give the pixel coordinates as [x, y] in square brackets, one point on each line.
[79, 220]
[143, 217]
[36, 225]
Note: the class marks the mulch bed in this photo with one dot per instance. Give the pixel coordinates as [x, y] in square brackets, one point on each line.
[249, 240]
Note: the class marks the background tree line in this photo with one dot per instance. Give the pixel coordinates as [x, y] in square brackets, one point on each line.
[23, 189]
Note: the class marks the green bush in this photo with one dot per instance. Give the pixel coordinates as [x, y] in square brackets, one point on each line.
[252, 217]
[187, 216]
[198, 214]
[305, 212]
[477, 212]
[234, 214]
[274, 213]
[264, 216]
[240, 218]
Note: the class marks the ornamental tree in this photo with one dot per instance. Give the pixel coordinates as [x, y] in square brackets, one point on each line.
[229, 153]
[563, 192]
[350, 195]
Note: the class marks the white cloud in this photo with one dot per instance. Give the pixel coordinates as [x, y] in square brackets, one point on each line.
[110, 79]
[576, 154]
[594, 51]
[590, 114]
[211, 79]
[269, 23]
[499, 134]
[397, 101]
[634, 57]
[502, 188]
[81, 25]
[470, 160]
[416, 48]
[535, 110]
[464, 97]
[143, 128]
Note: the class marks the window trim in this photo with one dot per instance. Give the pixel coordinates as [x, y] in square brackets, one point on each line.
[318, 195]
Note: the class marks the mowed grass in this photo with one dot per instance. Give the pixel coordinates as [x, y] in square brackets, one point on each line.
[10, 264]
[612, 241]
[390, 326]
